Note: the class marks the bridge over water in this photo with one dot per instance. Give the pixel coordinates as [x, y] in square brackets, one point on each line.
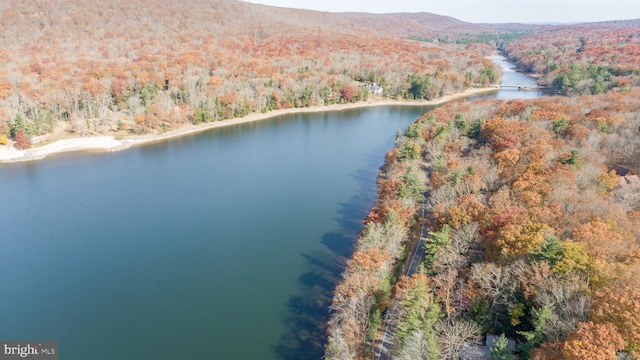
[523, 87]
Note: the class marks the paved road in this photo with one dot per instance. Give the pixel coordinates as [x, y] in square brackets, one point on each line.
[383, 345]
[418, 253]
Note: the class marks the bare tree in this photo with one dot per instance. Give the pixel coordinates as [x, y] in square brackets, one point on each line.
[454, 334]
[499, 283]
[415, 347]
[338, 347]
[629, 195]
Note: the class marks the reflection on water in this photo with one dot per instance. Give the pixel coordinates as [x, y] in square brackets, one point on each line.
[226, 244]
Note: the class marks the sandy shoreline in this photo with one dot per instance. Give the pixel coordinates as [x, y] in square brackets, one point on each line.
[110, 143]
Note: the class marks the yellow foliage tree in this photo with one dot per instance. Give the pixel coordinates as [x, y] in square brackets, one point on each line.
[507, 158]
[607, 182]
[458, 217]
[518, 240]
[575, 257]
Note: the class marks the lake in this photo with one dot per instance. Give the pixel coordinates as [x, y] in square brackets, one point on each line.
[220, 245]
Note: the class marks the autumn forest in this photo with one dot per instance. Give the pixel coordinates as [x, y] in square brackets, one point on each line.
[532, 210]
[532, 206]
[149, 66]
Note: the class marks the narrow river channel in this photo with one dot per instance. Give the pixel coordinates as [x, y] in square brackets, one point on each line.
[220, 245]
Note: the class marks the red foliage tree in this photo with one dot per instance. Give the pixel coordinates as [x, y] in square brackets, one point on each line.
[349, 92]
[22, 140]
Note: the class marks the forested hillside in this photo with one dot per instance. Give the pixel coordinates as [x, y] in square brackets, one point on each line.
[532, 206]
[532, 209]
[150, 66]
[582, 59]
[533, 233]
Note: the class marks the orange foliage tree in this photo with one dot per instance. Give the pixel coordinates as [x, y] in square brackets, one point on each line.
[619, 305]
[593, 341]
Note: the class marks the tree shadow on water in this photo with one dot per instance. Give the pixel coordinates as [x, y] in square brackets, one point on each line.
[308, 313]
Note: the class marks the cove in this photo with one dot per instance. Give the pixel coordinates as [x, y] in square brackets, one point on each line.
[221, 245]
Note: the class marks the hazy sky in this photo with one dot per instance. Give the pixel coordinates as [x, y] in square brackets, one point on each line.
[493, 11]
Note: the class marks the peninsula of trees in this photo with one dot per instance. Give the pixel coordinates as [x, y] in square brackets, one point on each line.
[533, 214]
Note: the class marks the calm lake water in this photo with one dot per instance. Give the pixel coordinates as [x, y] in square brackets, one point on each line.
[511, 77]
[221, 245]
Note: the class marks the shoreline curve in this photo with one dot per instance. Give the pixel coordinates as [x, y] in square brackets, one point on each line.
[9, 154]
